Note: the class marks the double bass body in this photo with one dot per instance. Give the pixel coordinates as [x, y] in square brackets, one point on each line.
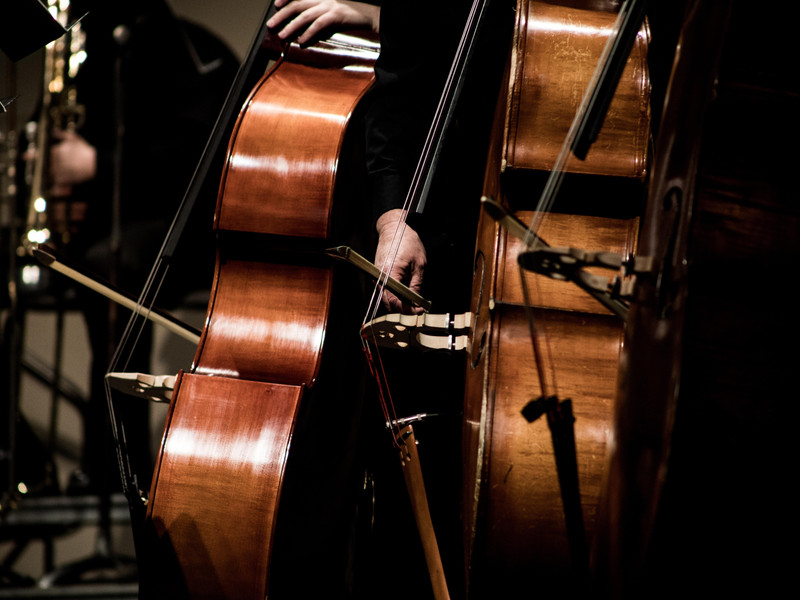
[249, 424]
[693, 493]
[700, 474]
[527, 529]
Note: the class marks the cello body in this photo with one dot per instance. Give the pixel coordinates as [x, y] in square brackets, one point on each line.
[518, 539]
[246, 445]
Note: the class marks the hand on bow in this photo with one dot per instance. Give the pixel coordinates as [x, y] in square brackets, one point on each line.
[309, 20]
[408, 264]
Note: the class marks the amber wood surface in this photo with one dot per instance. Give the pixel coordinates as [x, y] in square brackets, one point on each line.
[215, 496]
[591, 232]
[514, 516]
[557, 51]
[282, 172]
[523, 512]
[218, 480]
[267, 322]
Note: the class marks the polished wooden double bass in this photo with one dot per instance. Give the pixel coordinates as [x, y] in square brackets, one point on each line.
[699, 481]
[531, 486]
[250, 457]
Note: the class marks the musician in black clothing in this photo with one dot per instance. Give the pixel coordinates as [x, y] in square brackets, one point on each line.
[410, 76]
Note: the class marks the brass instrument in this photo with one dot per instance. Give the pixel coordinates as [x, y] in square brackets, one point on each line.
[60, 110]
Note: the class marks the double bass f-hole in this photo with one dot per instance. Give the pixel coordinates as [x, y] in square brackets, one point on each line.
[479, 333]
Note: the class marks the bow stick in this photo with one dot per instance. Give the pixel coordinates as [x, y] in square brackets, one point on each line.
[51, 258]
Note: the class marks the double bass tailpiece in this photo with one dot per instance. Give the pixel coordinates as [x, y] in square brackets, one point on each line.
[569, 264]
[155, 388]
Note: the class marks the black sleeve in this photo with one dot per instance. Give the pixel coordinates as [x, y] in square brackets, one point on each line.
[417, 49]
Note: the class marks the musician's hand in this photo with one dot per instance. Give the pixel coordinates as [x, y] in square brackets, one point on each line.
[309, 20]
[73, 160]
[409, 263]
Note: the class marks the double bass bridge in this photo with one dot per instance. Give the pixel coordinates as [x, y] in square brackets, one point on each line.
[427, 331]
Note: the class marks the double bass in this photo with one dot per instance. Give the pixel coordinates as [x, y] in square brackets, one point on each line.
[698, 487]
[249, 491]
[529, 499]
[513, 509]
[692, 493]
[532, 482]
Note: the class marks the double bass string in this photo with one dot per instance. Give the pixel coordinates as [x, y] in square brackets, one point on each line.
[403, 437]
[157, 276]
[419, 187]
[218, 138]
[417, 194]
[123, 352]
